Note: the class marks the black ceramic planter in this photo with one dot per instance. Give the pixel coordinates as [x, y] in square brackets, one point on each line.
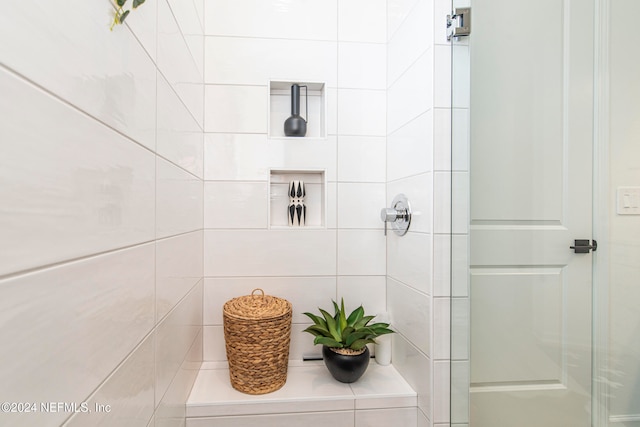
[344, 368]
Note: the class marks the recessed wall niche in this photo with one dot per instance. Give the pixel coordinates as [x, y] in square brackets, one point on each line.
[280, 108]
[315, 200]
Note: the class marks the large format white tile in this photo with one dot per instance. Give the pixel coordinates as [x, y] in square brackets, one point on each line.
[406, 417]
[213, 395]
[361, 158]
[361, 253]
[411, 314]
[270, 252]
[441, 391]
[308, 419]
[175, 336]
[176, 62]
[368, 291]
[178, 269]
[235, 204]
[362, 21]
[362, 66]
[282, 20]
[409, 260]
[451, 214]
[241, 109]
[413, 37]
[419, 192]
[66, 178]
[180, 137]
[397, 12]
[441, 328]
[178, 200]
[213, 348]
[304, 294]
[70, 52]
[416, 368]
[410, 148]
[171, 410]
[360, 204]
[186, 15]
[65, 329]
[145, 27]
[412, 94]
[254, 61]
[362, 112]
[126, 397]
[242, 157]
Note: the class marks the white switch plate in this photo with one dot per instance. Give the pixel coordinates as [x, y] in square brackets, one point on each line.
[628, 201]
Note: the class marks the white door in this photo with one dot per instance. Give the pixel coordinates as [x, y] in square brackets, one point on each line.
[531, 195]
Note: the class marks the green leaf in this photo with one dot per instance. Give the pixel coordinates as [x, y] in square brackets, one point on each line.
[331, 323]
[327, 341]
[317, 331]
[363, 322]
[346, 333]
[137, 3]
[123, 16]
[355, 337]
[316, 319]
[121, 2]
[343, 318]
[336, 310]
[355, 316]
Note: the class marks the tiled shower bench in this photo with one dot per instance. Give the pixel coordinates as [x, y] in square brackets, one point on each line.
[310, 398]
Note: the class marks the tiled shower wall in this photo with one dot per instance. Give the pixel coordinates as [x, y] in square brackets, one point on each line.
[101, 172]
[419, 164]
[247, 44]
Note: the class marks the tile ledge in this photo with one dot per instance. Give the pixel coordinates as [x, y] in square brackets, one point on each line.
[309, 385]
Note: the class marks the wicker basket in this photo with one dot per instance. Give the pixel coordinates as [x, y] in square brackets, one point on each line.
[257, 332]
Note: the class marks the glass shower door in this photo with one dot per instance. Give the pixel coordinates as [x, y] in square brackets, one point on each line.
[522, 126]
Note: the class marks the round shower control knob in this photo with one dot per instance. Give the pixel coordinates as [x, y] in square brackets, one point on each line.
[389, 214]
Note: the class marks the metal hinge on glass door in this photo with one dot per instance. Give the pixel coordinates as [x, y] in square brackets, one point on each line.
[459, 23]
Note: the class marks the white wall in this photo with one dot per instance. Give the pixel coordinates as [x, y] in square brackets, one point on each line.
[101, 164]
[248, 43]
[419, 165]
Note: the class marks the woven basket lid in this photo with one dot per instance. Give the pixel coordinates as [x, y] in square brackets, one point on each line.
[254, 307]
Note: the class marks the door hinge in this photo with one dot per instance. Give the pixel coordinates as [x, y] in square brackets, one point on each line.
[459, 23]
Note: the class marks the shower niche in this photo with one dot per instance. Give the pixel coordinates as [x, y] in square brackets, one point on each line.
[279, 104]
[315, 198]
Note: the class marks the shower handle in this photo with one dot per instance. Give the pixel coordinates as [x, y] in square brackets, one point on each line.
[399, 215]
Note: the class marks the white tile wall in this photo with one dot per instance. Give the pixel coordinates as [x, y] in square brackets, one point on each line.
[418, 189]
[237, 204]
[65, 329]
[361, 253]
[236, 109]
[361, 158]
[410, 148]
[179, 136]
[305, 20]
[410, 40]
[360, 205]
[269, 252]
[361, 112]
[412, 93]
[362, 21]
[102, 149]
[176, 62]
[362, 65]
[411, 314]
[178, 269]
[104, 73]
[178, 200]
[368, 291]
[84, 185]
[254, 61]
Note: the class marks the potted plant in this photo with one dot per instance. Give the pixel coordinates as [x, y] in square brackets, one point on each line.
[344, 340]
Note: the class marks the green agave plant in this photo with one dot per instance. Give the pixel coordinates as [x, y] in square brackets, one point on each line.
[342, 331]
